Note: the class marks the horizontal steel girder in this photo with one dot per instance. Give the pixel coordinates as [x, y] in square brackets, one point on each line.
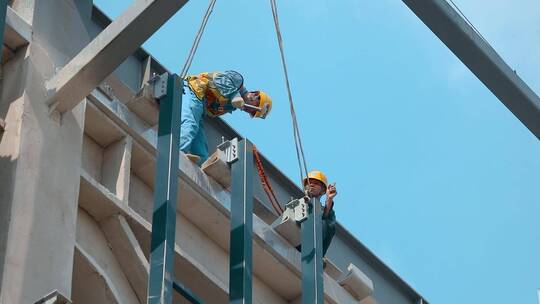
[481, 59]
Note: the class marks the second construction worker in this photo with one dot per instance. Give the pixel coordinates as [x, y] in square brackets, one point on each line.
[317, 185]
[214, 94]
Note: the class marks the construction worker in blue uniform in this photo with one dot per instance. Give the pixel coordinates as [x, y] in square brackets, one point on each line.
[214, 94]
[316, 185]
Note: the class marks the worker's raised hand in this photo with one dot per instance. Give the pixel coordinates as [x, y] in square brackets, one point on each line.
[331, 192]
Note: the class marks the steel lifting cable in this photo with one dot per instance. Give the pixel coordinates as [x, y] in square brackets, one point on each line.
[197, 39]
[296, 130]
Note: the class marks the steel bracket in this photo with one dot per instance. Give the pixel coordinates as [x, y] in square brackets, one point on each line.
[299, 209]
[158, 84]
[228, 150]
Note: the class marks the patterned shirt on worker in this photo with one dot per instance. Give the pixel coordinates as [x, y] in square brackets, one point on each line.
[216, 90]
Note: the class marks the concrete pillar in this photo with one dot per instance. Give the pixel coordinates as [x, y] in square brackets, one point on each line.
[25, 8]
[40, 157]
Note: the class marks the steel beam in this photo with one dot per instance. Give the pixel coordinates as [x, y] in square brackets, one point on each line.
[312, 254]
[3, 10]
[481, 59]
[160, 283]
[107, 51]
[241, 246]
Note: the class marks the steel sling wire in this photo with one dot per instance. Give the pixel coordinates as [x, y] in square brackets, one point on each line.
[296, 132]
[197, 39]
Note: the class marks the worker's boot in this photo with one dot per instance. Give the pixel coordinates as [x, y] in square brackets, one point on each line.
[194, 158]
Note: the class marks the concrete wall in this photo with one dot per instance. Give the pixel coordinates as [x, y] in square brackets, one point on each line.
[42, 160]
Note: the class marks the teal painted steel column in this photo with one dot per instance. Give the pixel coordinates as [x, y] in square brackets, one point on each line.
[312, 254]
[3, 10]
[241, 250]
[160, 283]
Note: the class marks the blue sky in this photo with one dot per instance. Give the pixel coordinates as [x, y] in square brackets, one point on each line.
[434, 174]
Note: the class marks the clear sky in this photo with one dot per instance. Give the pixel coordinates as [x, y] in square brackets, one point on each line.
[434, 174]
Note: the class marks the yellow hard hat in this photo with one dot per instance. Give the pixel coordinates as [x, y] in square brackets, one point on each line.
[265, 104]
[317, 175]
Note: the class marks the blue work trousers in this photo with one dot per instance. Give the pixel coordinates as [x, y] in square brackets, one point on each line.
[192, 137]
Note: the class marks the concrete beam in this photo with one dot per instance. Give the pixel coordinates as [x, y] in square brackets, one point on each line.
[17, 32]
[98, 274]
[107, 51]
[481, 59]
[357, 283]
[128, 252]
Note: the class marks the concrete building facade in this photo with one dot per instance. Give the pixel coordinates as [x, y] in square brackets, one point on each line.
[76, 189]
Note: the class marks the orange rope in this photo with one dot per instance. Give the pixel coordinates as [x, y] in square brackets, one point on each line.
[265, 183]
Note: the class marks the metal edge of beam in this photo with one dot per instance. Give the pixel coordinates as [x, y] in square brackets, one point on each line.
[481, 59]
[107, 51]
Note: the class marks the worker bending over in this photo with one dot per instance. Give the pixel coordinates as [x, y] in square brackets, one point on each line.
[214, 94]
[316, 185]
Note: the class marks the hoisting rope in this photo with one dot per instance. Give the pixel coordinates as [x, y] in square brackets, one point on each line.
[296, 130]
[197, 39]
[265, 183]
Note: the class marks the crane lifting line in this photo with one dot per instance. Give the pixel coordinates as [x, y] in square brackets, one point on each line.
[296, 130]
[302, 164]
[197, 39]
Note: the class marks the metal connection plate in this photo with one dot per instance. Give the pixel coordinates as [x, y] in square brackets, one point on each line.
[54, 298]
[229, 150]
[159, 85]
[300, 209]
